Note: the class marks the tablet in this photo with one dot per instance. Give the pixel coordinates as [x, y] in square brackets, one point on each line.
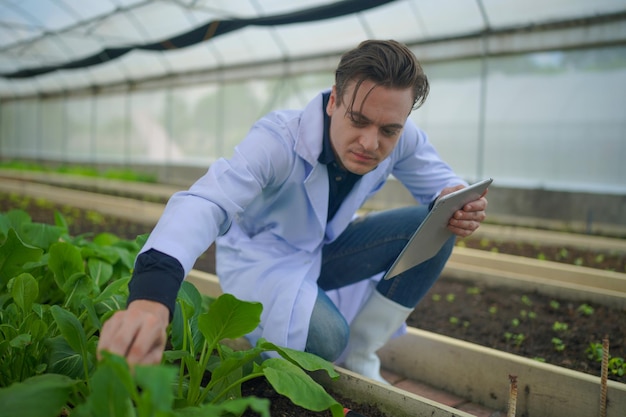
[433, 232]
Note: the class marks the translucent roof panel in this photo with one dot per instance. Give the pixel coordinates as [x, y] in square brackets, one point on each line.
[37, 34]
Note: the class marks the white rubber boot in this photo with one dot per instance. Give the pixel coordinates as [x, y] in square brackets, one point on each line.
[372, 327]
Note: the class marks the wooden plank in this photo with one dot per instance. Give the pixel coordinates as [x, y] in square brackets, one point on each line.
[481, 375]
[554, 271]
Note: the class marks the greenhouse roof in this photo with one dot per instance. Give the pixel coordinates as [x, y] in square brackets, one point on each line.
[57, 46]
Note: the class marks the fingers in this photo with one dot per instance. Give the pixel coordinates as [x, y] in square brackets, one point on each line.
[464, 222]
[138, 333]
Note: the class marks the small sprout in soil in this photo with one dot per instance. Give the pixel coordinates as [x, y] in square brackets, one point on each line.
[585, 309]
[617, 366]
[563, 254]
[484, 242]
[579, 261]
[523, 314]
[526, 300]
[532, 315]
[450, 297]
[599, 258]
[516, 338]
[594, 352]
[539, 359]
[554, 305]
[436, 297]
[493, 310]
[515, 322]
[559, 326]
[473, 291]
[454, 320]
[541, 256]
[559, 346]
[466, 324]
[494, 250]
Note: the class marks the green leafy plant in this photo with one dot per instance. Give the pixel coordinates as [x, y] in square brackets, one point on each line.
[616, 365]
[558, 326]
[57, 290]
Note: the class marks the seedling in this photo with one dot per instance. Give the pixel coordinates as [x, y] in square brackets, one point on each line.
[559, 346]
[554, 305]
[585, 309]
[558, 326]
[450, 297]
[526, 301]
[436, 297]
[493, 310]
[473, 291]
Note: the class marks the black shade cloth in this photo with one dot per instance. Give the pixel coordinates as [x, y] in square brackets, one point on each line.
[209, 31]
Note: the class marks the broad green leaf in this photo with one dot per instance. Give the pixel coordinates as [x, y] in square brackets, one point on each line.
[13, 255]
[88, 305]
[234, 361]
[112, 391]
[70, 328]
[105, 253]
[24, 291]
[40, 234]
[110, 305]
[39, 396]
[76, 287]
[234, 407]
[101, 271]
[189, 299]
[64, 261]
[20, 341]
[304, 360]
[60, 221]
[64, 360]
[156, 388]
[291, 381]
[117, 287]
[17, 219]
[105, 239]
[5, 225]
[229, 318]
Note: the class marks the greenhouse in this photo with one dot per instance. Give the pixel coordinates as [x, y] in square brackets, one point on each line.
[531, 94]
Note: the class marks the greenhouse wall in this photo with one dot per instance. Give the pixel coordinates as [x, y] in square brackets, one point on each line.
[549, 121]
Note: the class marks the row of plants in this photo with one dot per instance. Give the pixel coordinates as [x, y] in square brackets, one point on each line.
[57, 290]
[557, 327]
[81, 170]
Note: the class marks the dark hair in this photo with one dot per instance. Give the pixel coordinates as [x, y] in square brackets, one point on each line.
[388, 64]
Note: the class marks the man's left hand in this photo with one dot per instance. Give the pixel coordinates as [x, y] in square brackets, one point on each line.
[466, 220]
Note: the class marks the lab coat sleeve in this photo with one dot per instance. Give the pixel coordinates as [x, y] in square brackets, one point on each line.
[193, 219]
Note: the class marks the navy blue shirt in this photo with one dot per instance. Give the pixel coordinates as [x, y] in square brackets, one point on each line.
[340, 181]
[158, 276]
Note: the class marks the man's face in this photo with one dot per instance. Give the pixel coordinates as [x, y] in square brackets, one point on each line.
[362, 137]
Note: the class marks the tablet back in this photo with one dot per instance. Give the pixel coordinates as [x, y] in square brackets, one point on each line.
[433, 232]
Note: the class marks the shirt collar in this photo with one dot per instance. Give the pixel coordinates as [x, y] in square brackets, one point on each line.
[327, 156]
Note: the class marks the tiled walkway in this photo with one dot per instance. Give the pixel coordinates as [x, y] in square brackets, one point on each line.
[439, 396]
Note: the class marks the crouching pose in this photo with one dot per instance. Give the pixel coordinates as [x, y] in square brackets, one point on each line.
[282, 210]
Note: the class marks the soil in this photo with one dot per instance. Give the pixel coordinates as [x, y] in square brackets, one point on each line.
[552, 330]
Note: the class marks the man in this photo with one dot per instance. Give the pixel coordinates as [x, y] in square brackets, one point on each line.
[282, 214]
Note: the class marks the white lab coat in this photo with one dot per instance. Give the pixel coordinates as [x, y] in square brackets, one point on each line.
[267, 208]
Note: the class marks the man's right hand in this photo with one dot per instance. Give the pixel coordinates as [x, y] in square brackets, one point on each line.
[137, 333]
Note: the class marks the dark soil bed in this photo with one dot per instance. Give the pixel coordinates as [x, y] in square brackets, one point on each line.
[548, 329]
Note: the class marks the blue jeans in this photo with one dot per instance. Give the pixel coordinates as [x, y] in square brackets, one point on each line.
[368, 246]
